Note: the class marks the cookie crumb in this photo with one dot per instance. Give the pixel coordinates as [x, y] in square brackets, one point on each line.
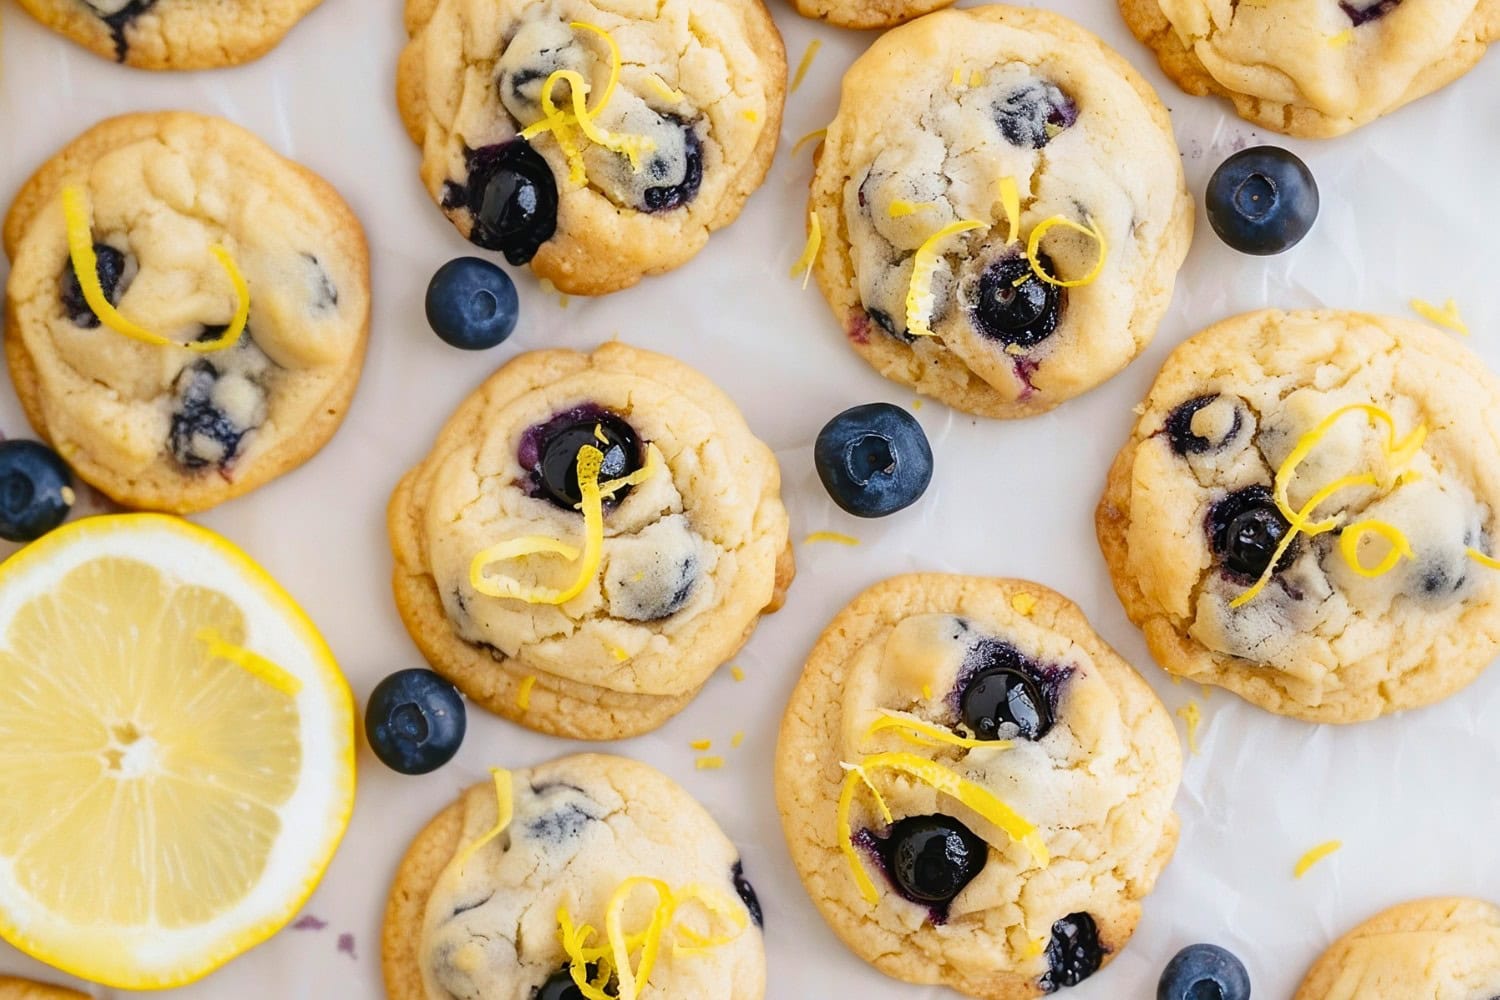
[737, 672]
[701, 744]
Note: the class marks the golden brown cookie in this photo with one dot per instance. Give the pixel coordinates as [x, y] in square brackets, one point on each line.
[694, 550]
[1446, 949]
[976, 790]
[178, 208]
[867, 13]
[12, 988]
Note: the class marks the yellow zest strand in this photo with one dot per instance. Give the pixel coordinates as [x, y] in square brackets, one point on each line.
[1312, 857]
[1342, 39]
[856, 774]
[249, 661]
[975, 78]
[836, 537]
[504, 812]
[809, 137]
[806, 63]
[701, 744]
[1010, 201]
[737, 672]
[666, 90]
[750, 115]
[976, 797]
[523, 696]
[1352, 535]
[1034, 245]
[708, 763]
[618, 653]
[958, 76]
[633, 979]
[900, 208]
[632, 147]
[652, 467]
[923, 733]
[1299, 525]
[1447, 317]
[1490, 562]
[590, 459]
[615, 62]
[736, 740]
[804, 265]
[1024, 603]
[919, 299]
[1192, 717]
[927, 691]
[78, 215]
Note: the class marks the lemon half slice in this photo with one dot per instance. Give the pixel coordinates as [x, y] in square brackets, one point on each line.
[176, 752]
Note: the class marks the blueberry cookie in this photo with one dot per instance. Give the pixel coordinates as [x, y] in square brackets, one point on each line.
[976, 790]
[999, 209]
[1305, 514]
[1315, 68]
[187, 312]
[867, 13]
[12, 988]
[591, 536]
[173, 34]
[1435, 949]
[587, 869]
[599, 141]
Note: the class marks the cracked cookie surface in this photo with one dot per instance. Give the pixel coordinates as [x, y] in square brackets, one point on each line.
[164, 427]
[691, 557]
[173, 34]
[1315, 68]
[700, 89]
[1436, 949]
[1189, 521]
[1092, 761]
[487, 926]
[932, 119]
[867, 13]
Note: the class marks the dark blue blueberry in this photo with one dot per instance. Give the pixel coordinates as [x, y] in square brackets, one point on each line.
[746, 892]
[559, 986]
[512, 197]
[666, 198]
[874, 459]
[415, 721]
[325, 292]
[1363, 14]
[120, 20]
[202, 434]
[1073, 952]
[1204, 972]
[931, 858]
[1032, 115]
[1245, 528]
[549, 452]
[1180, 427]
[1023, 315]
[1005, 701]
[649, 602]
[1262, 200]
[472, 304]
[36, 490]
[110, 268]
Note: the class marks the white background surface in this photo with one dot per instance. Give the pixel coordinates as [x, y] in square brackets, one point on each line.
[1409, 209]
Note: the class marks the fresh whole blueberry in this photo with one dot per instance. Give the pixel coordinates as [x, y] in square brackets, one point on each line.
[1073, 952]
[1245, 529]
[1021, 315]
[1006, 701]
[1204, 972]
[415, 721]
[36, 490]
[472, 304]
[512, 197]
[555, 472]
[1262, 200]
[559, 986]
[110, 267]
[874, 459]
[932, 858]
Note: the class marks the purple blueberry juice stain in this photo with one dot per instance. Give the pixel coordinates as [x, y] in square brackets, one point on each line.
[346, 945]
[309, 923]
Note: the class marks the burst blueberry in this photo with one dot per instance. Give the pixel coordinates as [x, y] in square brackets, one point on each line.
[1245, 528]
[415, 721]
[472, 304]
[110, 267]
[1019, 315]
[932, 858]
[746, 892]
[1035, 113]
[36, 490]
[1204, 972]
[664, 198]
[512, 196]
[201, 433]
[559, 986]
[1262, 200]
[874, 459]
[1074, 952]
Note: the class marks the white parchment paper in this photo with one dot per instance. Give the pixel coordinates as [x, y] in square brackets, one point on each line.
[1410, 208]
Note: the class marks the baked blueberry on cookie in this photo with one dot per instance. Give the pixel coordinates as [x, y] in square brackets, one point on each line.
[976, 790]
[1315, 68]
[173, 34]
[867, 13]
[998, 210]
[590, 538]
[599, 141]
[187, 311]
[1305, 514]
[589, 876]
[12, 988]
[1446, 949]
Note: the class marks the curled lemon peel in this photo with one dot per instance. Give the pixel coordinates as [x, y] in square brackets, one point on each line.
[804, 265]
[923, 733]
[836, 537]
[919, 298]
[1399, 549]
[1446, 316]
[77, 213]
[806, 64]
[854, 775]
[1487, 561]
[504, 813]
[1312, 857]
[249, 661]
[809, 137]
[1034, 246]
[590, 460]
